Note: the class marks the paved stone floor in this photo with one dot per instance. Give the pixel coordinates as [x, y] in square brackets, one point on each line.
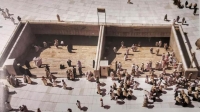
[117, 11]
[56, 99]
[142, 55]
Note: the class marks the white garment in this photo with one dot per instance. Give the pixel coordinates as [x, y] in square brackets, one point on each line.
[38, 61]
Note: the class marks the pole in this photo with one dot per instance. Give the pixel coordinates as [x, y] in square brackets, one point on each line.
[98, 17]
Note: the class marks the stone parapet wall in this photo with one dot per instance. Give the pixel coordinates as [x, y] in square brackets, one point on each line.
[138, 31]
[174, 44]
[22, 44]
[11, 42]
[65, 29]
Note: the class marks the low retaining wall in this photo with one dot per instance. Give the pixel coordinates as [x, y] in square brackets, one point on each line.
[11, 42]
[27, 35]
[182, 52]
[138, 31]
[64, 29]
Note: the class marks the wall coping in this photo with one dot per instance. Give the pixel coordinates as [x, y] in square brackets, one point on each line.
[96, 23]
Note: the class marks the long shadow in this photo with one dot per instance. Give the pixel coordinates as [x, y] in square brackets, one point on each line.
[103, 84]
[185, 24]
[12, 92]
[140, 89]
[164, 92]
[84, 108]
[169, 89]
[34, 83]
[21, 85]
[159, 100]
[190, 106]
[59, 86]
[103, 92]
[150, 106]
[120, 102]
[134, 97]
[69, 88]
[106, 107]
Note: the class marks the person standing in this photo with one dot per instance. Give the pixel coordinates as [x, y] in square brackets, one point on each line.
[13, 20]
[101, 102]
[44, 81]
[115, 50]
[98, 88]
[69, 62]
[190, 6]
[69, 110]
[58, 17]
[122, 44]
[151, 50]
[157, 51]
[186, 3]
[54, 83]
[25, 79]
[183, 20]
[93, 63]
[64, 84]
[69, 47]
[80, 70]
[25, 108]
[195, 5]
[51, 77]
[165, 18]
[4, 15]
[142, 67]
[174, 22]
[195, 10]
[19, 18]
[79, 64]
[47, 73]
[38, 110]
[160, 43]
[47, 68]
[28, 79]
[177, 19]
[7, 11]
[74, 71]
[56, 43]
[129, 2]
[127, 51]
[125, 57]
[115, 65]
[78, 104]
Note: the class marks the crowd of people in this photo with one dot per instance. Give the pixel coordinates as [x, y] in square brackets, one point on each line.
[125, 79]
[178, 3]
[6, 14]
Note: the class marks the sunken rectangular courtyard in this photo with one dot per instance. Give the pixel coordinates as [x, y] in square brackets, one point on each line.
[92, 45]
